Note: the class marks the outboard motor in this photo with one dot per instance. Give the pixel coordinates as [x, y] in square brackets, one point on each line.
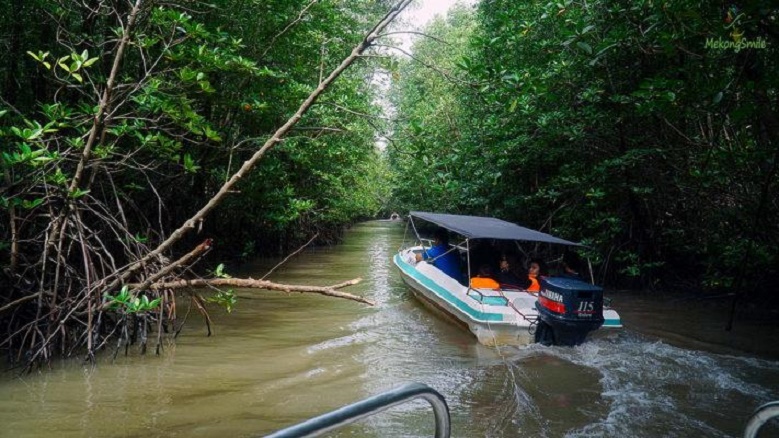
[568, 309]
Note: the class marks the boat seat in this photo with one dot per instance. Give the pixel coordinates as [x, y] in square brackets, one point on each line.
[485, 297]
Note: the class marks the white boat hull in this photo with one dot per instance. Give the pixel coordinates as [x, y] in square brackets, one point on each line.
[495, 317]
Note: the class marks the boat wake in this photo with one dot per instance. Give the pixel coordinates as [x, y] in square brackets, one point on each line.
[649, 388]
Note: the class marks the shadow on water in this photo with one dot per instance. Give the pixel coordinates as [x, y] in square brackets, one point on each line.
[279, 359]
[695, 323]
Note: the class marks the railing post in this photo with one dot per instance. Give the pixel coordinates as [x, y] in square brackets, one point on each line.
[356, 411]
[761, 415]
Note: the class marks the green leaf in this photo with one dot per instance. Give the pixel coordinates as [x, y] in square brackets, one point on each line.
[584, 46]
[212, 135]
[189, 164]
[219, 271]
[77, 193]
[226, 299]
[61, 63]
[124, 294]
[29, 205]
[206, 86]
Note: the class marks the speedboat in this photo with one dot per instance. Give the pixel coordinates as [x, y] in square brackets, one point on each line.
[563, 312]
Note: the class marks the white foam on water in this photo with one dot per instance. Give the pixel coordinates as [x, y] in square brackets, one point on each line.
[655, 389]
[343, 341]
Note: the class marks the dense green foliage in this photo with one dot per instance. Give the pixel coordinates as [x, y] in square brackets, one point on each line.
[623, 124]
[646, 129]
[98, 167]
[199, 91]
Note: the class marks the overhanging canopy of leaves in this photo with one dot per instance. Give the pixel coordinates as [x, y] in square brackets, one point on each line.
[641, 128]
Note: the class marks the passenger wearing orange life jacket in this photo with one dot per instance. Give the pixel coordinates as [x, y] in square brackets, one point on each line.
[533, 274]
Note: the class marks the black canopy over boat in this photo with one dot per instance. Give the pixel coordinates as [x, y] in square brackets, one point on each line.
[478, 227]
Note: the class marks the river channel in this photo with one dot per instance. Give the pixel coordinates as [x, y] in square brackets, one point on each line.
[279, 359]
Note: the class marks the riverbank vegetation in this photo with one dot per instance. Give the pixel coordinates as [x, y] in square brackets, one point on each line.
[129, 130]
[648, 130]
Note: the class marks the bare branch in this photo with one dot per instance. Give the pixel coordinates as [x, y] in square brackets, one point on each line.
[199, 250]
[17, 302]
[289, 257]
[104, 100]
[247, 166]
[446, 75]
[251, 283]
[288, 27]
[416, 33]
[356, 113]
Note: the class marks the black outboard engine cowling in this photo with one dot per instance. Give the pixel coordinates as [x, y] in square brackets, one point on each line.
[568, 309]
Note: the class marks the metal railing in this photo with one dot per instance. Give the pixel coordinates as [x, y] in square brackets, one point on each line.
[349, 414]
[356, 411]
[760, 417]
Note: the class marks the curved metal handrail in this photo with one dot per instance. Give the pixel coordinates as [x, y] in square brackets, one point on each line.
[759, 418]
[356, 411]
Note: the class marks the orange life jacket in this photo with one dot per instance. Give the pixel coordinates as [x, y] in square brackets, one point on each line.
[484, 283]
[534, 285]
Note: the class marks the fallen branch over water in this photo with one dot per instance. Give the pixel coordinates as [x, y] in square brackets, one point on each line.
[250, 283]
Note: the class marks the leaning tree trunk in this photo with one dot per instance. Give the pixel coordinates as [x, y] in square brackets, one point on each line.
[77, 269]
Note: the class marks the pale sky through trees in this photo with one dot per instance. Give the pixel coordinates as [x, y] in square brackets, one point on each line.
[422, 11]
[414, 17]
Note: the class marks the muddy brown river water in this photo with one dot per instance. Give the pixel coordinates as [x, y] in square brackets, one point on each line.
[280, 359]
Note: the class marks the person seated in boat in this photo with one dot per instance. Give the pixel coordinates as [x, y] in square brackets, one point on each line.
[442, 256]
[570, 265]
[535, 271]
[484, 279]
[511, 274]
